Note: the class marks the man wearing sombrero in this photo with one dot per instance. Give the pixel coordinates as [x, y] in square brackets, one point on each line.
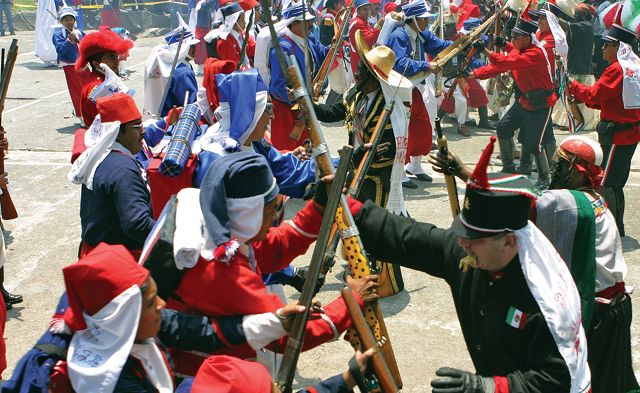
[361, 110]
[517, 305]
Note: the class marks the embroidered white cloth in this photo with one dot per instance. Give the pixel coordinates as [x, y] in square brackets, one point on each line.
[99, 139]
[552, 286]
[630, 64]
[97, 354]
[156, 74]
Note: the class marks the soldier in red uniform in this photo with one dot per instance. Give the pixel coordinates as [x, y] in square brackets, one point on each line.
[361, 22]
[231, 37]
[619, 128]
[535, 94]
[103, 46]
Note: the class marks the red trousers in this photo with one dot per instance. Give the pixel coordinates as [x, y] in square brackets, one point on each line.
[75, 81]
[282, 125]
[419, 127]
[201, 47]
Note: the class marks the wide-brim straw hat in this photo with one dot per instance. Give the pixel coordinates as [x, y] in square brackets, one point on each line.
[380, 61]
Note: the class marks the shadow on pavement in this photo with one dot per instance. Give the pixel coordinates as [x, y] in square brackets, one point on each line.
[15, 313]
[34, 65]
[630, 244]
[68, 129]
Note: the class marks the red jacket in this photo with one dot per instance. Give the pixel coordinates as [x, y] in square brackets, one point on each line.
[549, 43]
[230, 48]
[529, 69]
[606, 95]
[216, 289]
[370, 36]
[88, 108]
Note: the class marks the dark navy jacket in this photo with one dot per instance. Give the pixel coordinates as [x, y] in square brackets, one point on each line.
[67, 50]
[118, 209]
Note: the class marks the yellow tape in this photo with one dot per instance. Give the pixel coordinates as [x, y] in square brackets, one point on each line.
[97, 7]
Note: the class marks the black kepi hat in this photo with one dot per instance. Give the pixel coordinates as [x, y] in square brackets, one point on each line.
[525, 27]
[619, 33]
[491, 208]
[535, 14]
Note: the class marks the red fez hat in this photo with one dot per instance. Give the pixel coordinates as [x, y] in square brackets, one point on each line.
[97, 278]
[118, 107]
[101, 42]
[226, 374]
[248, 4]
[390, 7]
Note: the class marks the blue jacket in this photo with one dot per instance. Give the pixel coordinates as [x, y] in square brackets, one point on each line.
[400, 42]
[118, 209]
[292, 175]
[183, 81]
[67, 50]
[278, 84]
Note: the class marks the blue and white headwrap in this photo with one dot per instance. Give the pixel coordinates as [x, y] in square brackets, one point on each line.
[295, 12]
[65, 11]
[416, 9]
[243, 99]
[173, 37]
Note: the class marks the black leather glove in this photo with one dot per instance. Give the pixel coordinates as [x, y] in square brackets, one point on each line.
[458, 381]
[479, 46]
[321, 193]
[499, 42]
[298, 279]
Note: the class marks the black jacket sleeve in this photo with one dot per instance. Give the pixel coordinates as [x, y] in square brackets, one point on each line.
[406, 242]
[330, 113]
[192, 332]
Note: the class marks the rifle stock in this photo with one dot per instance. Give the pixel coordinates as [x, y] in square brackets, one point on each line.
[450, 180]
[378, 362]
[323, 72]
[457, 46]
[359, 264]
[294, 344]
[6, 204]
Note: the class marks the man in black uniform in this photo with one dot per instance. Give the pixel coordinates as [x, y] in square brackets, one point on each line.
[361, 111]
[519, 311]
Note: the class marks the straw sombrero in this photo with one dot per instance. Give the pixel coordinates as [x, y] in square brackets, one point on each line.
[380, 61]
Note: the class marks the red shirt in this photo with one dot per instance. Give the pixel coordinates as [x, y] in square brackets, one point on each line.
[88, 109]
[606, 95]
[370, 36]
[230, 49]
[528, 67]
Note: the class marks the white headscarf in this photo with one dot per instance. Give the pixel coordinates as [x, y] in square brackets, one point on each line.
[99, 139]
[554, 290]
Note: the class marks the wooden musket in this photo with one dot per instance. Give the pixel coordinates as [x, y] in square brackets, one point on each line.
[449, 178]
[6, 204]
[338, 38]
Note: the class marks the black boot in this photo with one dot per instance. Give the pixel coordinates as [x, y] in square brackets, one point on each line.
[506, 155]
[333, 97]
[483, 114]
[9, 298]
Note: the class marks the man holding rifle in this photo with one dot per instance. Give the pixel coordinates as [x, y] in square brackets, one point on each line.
[362, 110]
[287, 129]
[531, 113]
[518, 307]
[411, 43]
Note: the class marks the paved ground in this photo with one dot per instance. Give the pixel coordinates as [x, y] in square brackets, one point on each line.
[421, 320]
